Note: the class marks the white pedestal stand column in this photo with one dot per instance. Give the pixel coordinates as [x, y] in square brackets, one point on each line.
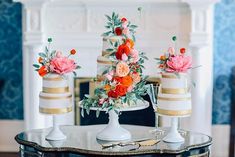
[113, 131]
[55, 134]
[173, 135]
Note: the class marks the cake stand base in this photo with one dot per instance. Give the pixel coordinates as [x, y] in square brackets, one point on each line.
[173, 135]
[113, 131]
[55, 134]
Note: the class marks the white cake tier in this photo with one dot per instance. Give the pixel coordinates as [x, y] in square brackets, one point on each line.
[174, 84]
[107, 44]
[54, 81]
[55, 103]
[103, 64]
[174, 104]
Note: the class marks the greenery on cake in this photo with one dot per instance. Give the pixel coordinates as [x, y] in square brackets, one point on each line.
[54, 62]
[119, 26]
[173, 62]
[124, 82]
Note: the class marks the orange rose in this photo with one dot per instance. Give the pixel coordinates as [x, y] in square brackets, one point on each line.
[136, 77]
[121, 50]
[163, 58]
[127, 81]
[121, 90]
[73, 51]
[42, 71]
[40, 60]
[130, 43]
[122, 69]
[107, 87]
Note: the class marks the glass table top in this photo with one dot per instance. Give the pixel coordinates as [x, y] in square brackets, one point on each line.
[82, 139]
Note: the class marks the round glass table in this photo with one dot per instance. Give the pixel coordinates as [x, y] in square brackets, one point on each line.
[81, 141]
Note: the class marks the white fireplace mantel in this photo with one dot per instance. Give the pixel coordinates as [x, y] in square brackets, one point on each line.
[79, 23]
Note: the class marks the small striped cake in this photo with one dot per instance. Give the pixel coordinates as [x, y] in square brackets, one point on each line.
[55, 97]
[174, 98]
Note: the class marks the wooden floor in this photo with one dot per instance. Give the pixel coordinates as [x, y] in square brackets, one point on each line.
[8, 154]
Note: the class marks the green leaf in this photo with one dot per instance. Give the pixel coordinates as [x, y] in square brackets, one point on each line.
[133, 26]
[109, 50]
[108, 17]
[82, 112]
[43, 55]
[74, 73]
[36, 65]
[49, 40]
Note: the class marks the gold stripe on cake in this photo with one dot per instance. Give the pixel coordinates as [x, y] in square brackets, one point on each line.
[104, 53]
[169, 76]
[55, 98]
[52, 79]
[174, 99]
[174, 90]
[55, 90]
[173, 113]
[55, 110]
[104, 62]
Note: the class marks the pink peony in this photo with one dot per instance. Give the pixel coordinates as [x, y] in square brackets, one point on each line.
[179, 63]
[122, 69]
[109, 75]
[62, 65]
[59, 54]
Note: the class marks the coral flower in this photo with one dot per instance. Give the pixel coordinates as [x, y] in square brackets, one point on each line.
[123, 19]
[179, 63]
[62, 65]
[107, 87]
[73, 51]
[130, 43]
[42, 71]
[127, 81]
[182, 50]
[40, 60]
[122, 69]
[121, 50]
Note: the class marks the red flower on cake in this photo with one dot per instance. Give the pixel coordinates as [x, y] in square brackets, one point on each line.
[123, 19]
[113, 94]
[42, 71]
[182, 50]
[118, 31]
[121, 50]
[73, 51]
[121, 90]
[127, 81]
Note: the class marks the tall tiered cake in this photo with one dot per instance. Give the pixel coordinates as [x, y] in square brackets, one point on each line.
[120, 83]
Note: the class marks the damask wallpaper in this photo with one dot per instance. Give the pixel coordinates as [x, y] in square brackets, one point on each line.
[224, 54]
[11, 88]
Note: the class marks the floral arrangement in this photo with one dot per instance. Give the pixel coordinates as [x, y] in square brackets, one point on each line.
[172, 62]
[123, 82]
[54, 62]
[119, 27]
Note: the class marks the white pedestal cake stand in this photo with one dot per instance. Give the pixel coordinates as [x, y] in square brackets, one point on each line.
[113, 131]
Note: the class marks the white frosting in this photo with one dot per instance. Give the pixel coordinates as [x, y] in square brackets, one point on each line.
[55, 100]
[103, 64]
[174, 82]
[174, 102]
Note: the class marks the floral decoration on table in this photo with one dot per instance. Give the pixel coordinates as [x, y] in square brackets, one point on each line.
[124, 81]
[173, 62]
[55, 62]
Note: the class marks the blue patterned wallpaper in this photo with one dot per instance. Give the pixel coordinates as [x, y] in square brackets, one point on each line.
[224, 54]
[11, 88]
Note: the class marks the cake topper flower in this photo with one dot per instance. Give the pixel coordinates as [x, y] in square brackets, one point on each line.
[54, 62]
[123, 82]
[173, 62]
[119, 26]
